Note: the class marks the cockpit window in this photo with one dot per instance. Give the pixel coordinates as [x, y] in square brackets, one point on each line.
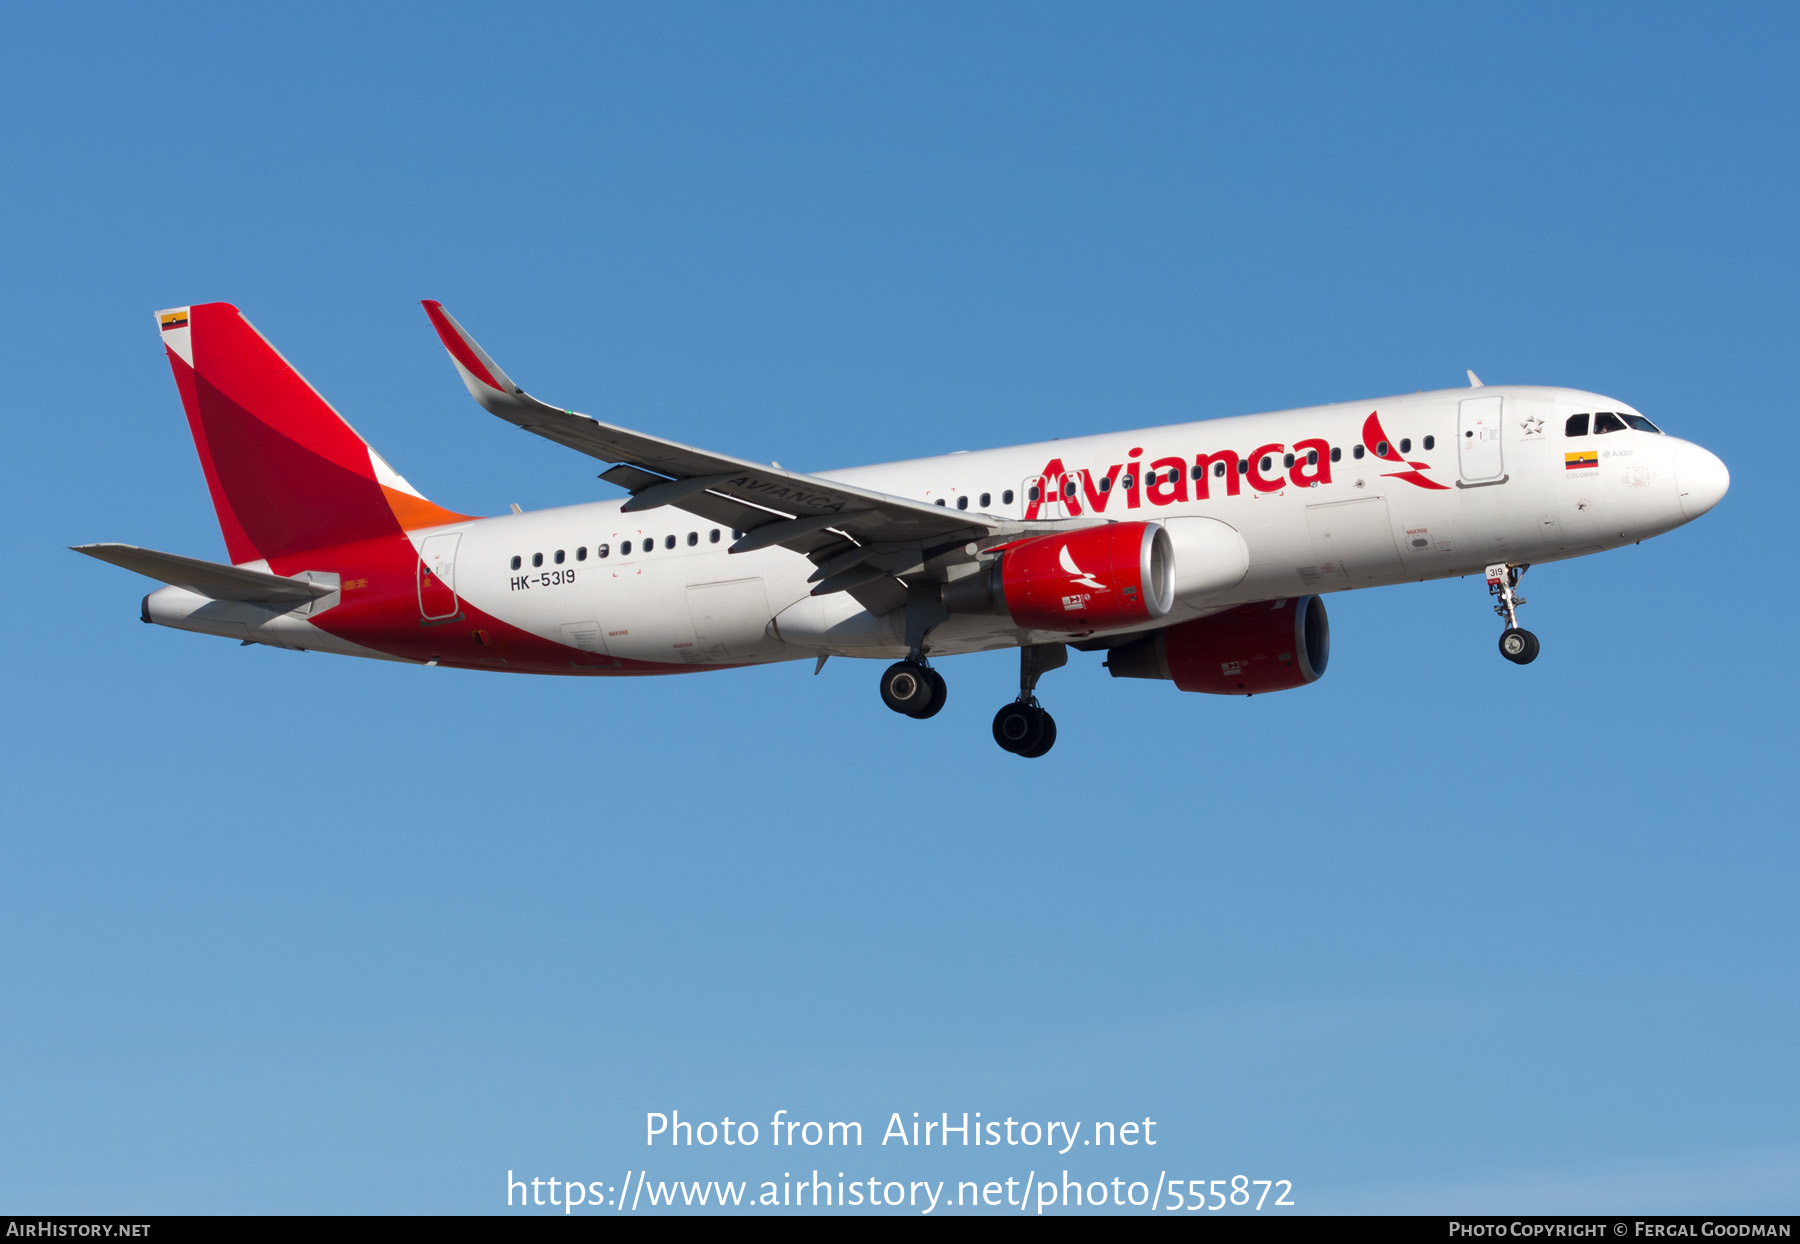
[1576, 426]
[1640, 423]
[1606, 421]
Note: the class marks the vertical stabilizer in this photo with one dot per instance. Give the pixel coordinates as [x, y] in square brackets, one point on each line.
[287, 474]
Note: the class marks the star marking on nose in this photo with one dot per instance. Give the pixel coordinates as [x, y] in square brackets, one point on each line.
[1532, 426]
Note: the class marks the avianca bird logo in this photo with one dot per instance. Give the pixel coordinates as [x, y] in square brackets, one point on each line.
[1376, 442]
[1080, 576]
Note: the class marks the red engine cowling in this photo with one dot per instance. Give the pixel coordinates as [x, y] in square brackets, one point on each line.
[1269, 646]
[1119, 574]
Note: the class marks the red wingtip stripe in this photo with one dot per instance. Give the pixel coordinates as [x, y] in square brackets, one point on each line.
[460, 347]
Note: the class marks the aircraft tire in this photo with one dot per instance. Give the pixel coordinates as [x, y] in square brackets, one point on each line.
[1019, 727]
[906, 688]
[1518, 645]
[940, 692]
[1045, 743]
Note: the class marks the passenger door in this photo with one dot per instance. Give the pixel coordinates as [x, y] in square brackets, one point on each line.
[1478, 441]
[437, 578]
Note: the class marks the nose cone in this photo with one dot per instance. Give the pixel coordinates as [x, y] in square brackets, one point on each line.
[1700, 478]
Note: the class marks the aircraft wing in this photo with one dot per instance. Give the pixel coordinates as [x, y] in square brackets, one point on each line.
[211, 579]
[770, 505]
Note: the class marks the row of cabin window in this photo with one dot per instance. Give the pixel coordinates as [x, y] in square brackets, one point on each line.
[1243, 467]
[625, 546]
[1608, 421]
[987, 499]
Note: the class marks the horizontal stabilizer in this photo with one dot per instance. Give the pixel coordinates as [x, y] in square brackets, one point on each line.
[213, 579]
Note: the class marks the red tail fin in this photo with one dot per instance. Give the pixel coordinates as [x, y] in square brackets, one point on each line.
[287, 474]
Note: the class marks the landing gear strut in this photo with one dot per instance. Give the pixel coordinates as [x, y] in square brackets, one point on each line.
[1023, 727]
[1516, 644]
[912, 686]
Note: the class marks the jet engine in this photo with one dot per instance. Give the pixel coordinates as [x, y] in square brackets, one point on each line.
[1118, 574]
[1269, 646]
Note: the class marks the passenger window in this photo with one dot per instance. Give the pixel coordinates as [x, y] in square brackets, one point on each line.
[714, 537]
[1006, 497]
[625, 548]
[1431, 442]
[668, 542]
[559, 557]
[693, 538]
[1337, 455]
[1265, 464]
[581, 553]
[1381, 449]
[1128, 483]
[1576, 426]
[1406, 444]
[1640, 423]
[1606, 421]
[1068, 487]
[1357, 452]
[1243, 467]
[1312, 457]
[537, 559]
[601, 550]
[515, 563]
[1219, 469]
[962, 503]
[1287, 460]
[986, 499]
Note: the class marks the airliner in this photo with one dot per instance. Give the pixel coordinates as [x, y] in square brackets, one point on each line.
[1199, 553]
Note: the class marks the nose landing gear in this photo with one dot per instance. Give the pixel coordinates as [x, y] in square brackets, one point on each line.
[1516, 644]
[1023, 727]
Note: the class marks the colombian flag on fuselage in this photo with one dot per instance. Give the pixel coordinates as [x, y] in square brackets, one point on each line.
[1584, 458]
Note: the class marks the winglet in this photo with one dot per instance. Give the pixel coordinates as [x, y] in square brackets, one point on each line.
[1474, 380]
[486, 383]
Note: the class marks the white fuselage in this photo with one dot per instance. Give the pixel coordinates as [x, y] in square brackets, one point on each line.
[1499, 482]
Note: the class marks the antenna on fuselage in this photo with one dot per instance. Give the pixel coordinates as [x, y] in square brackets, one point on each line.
[1474, 380]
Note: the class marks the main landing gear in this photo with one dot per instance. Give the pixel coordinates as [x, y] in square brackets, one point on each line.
[911, 686]
[914, 688]
[1516, 644]
[1023, 727]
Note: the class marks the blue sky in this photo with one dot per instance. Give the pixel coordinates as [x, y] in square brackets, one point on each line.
[289, 932]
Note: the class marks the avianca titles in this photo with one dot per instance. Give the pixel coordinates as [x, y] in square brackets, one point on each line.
[1197, 553]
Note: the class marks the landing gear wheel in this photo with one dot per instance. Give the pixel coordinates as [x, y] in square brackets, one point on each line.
[939, 693]
[906, 687]
[1045, 743]
[1018, 728]
[1518, 646]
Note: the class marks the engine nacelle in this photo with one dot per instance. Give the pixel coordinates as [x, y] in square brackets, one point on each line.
[1118, 574]
[1269, 646]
